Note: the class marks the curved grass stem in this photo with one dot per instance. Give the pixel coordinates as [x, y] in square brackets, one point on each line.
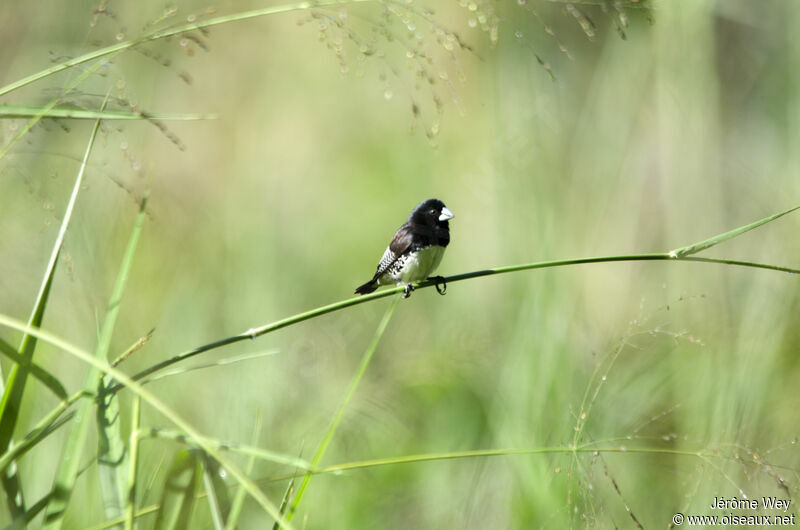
[300, 317]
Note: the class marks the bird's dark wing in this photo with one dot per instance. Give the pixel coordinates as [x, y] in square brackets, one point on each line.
[400, 244]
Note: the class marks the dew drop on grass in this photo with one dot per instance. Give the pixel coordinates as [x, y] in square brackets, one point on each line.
[472, 22]
[603, 378]
[472, 6]
[387, 95]
[518, 34]
[622, 448]
[191, 18]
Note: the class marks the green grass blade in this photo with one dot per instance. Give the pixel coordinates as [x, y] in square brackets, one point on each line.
[48, 111]
[44, 377]
[212, 364]
[12, 400]
[111, 455]
[177, 498]
[216, 492]
[17, 378]
[47, 425]
[483, 453]
[716, 240]
[158, 405]
[130, 509]
[256, 452]
[337, 417]
[168, 32]
[140, 342]
[287, 496]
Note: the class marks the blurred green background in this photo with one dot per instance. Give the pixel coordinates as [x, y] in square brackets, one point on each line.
[332, 125]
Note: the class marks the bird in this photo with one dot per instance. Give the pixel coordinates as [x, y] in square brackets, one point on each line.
[415, 250]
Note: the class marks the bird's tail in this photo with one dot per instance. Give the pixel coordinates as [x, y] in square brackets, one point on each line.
[367, 287]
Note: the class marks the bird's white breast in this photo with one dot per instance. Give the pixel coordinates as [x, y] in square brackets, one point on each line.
[415, 266]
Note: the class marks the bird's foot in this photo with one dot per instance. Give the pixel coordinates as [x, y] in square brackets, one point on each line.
[407, 290]
[441, 284]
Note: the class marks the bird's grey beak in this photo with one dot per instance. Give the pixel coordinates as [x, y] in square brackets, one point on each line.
[446, 214]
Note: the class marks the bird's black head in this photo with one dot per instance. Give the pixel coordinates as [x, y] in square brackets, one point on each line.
[432, 212]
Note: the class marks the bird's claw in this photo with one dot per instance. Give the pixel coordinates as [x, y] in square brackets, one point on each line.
[441, 284]
[407, 290]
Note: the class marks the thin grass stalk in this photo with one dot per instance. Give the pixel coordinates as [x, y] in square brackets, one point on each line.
[337, 417]
[589, 448]
[343, 304]
[112, 455]
[9, 111]
[130, 508]
[42, 429]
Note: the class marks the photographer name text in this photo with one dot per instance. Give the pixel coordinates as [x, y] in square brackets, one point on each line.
[735, 503]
